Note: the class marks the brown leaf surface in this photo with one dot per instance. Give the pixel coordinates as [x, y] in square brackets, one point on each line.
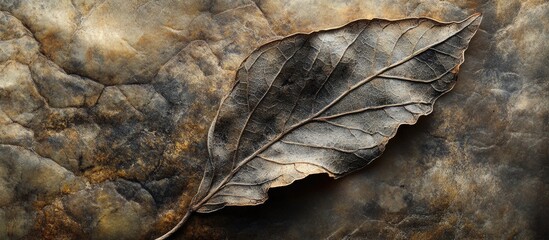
[326, 102]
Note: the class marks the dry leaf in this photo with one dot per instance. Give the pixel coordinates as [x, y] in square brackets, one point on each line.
[326, 102]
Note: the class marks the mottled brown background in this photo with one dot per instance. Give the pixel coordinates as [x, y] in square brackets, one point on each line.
[104, 108]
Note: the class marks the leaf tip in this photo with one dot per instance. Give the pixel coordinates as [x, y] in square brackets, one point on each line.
[472, 22]
[475, 18]
[476, 15]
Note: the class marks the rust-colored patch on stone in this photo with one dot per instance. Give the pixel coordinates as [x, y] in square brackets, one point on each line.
[54, 223]
[51, 42]
[100, 174]
[167, 220]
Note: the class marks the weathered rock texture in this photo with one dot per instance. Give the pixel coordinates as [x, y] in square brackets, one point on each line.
[105, 106]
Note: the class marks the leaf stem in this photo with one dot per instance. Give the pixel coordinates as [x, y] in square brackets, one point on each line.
[176, 227]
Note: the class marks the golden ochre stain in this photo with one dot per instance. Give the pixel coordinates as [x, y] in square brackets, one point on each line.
[72, 186]
[55, 122]
[53, 223]
[193, 130]
[448, 191]
[102, 155]
[52, 43]
[182, 146]
[167, 220]
[66, 189]
[100, 174]
[39, 204]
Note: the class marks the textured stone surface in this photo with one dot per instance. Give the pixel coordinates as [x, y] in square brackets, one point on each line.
[105, 105]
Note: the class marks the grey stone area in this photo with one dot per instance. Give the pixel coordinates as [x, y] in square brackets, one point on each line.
[105, 107]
